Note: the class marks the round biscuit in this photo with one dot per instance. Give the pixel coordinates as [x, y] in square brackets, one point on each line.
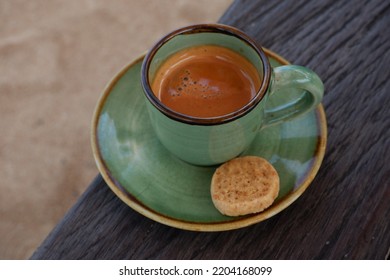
[244, 185]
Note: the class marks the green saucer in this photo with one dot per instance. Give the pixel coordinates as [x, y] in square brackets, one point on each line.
[145, 176]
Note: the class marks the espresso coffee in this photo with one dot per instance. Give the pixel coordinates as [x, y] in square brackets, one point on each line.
[206, 81]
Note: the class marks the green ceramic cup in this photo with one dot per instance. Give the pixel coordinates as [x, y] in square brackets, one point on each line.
[210, 141]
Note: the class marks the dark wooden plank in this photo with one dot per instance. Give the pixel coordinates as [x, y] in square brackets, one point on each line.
[348, 46]
[345, 214]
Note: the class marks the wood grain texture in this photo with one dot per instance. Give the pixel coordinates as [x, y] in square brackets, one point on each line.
[345, 214]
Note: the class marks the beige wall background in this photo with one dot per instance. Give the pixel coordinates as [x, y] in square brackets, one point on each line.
[55, 59]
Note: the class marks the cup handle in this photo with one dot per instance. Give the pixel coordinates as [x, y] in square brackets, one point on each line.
[286, 79]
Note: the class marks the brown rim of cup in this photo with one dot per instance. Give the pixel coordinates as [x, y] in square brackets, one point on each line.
[219, 28]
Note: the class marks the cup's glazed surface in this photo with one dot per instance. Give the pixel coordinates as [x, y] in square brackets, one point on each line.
[213, 140]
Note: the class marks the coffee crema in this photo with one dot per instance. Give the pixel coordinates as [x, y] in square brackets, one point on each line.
[206, 81]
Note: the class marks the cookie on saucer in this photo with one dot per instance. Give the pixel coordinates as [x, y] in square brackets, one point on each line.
[244, 185]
